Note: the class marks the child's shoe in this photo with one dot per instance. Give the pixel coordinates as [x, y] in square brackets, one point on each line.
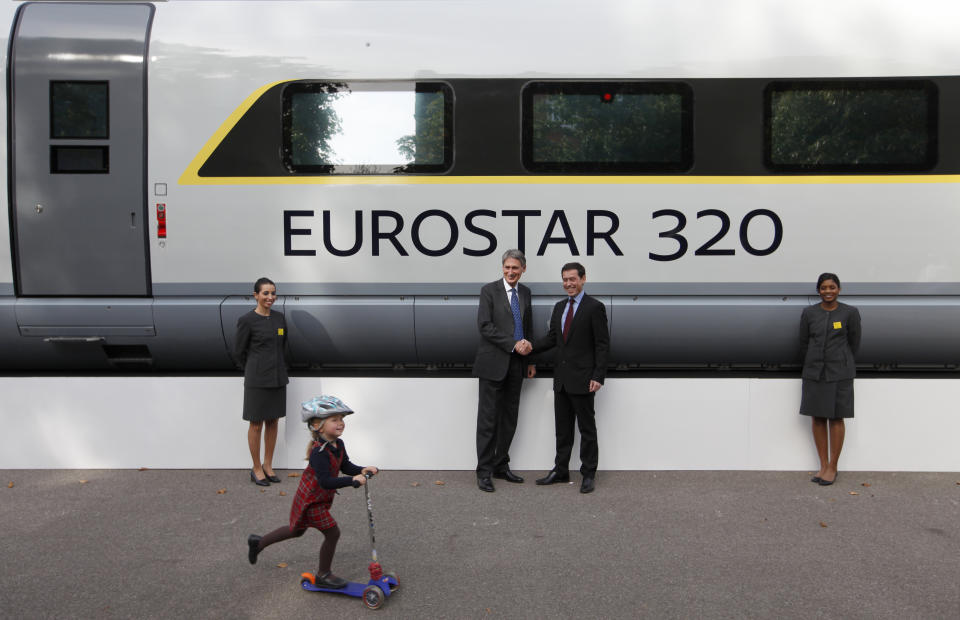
[253, 544]
[329, 580]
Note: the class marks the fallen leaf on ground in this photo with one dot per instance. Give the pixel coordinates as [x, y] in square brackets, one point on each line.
[263, 490]
[854, 493]
[440, 483]
[416, 484]
[83, 481]
[866, 484]
[221, 491]
[822, 524]
[282, 565]
[282, 493]
[10, 485]
[958, 481]
[142, 468]
[293, 475]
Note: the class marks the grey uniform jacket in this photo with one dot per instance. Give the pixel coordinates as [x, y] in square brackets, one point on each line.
[260, 349]
[829, 341]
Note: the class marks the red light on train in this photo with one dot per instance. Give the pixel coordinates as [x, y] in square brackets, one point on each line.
[161, 220]
[607, 97]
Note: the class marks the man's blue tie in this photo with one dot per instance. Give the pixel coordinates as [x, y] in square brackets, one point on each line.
[517, 320]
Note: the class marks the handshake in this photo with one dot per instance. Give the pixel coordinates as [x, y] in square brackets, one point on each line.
[523, 347]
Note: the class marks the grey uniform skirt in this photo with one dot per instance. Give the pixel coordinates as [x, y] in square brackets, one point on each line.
[262, 404]
[827, 399]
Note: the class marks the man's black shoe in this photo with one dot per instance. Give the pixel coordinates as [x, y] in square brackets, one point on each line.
[485, 484]
[587, 485]
[508, 475]
[553, 478]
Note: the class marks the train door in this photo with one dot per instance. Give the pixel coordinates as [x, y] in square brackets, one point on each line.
[78, 149]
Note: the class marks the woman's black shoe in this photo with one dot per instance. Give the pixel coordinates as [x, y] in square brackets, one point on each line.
[253, 543]
[272, 477]
[260, 482]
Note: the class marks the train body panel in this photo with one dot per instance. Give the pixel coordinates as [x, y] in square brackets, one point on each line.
[705, 263]
[816, 222]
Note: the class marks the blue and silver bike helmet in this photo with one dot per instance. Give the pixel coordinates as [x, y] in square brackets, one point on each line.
[322, 407]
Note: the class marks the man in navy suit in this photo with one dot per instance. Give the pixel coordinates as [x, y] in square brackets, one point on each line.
[504, 319]
[581, 339]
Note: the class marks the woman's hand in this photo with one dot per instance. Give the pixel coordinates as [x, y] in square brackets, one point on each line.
[359, 480]
[373, 471]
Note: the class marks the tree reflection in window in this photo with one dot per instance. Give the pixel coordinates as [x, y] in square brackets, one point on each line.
[621, 127]
[367, 127]
[312, 122]
[850, 127]
[426, 145]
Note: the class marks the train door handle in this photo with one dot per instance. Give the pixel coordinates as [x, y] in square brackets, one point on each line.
[39, 208]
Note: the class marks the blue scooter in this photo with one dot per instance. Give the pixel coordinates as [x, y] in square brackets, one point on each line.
[380, 586]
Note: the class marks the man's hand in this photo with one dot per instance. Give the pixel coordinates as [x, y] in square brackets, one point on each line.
[531, 371]
[523, 347]
[595, 385]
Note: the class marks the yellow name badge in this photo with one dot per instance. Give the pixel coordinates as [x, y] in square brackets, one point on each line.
[280, 329]
[836, 325]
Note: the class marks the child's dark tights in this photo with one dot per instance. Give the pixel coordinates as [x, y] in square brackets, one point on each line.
[327, 549]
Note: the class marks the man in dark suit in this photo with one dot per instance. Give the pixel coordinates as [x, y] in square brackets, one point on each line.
[504, 319]
[579, 333]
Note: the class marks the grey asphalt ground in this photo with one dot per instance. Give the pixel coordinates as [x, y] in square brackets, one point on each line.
[678, 544]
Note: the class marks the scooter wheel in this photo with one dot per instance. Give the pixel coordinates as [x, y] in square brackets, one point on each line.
[373, 597]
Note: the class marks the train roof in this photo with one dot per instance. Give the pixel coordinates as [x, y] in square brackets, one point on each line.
[642, 39]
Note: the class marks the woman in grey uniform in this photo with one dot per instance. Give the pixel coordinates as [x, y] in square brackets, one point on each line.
[829, 340]
[261, 353]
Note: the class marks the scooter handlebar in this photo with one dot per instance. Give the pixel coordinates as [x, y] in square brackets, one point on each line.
[356, 483]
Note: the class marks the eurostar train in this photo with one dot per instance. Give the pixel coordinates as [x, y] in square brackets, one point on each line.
[704, 161]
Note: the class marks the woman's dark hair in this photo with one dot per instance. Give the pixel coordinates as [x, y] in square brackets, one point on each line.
[827, 276]
[259, 284]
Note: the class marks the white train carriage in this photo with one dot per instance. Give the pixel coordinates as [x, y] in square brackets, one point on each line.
[704, 160]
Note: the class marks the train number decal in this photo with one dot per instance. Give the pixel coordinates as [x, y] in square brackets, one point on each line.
[708, 249]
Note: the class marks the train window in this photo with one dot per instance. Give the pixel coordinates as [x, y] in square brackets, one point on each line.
[586, 127]
[79, 110]
[880, 126]
[79, 159]
[367, 128]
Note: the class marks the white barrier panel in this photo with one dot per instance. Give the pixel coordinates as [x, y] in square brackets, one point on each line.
[429, 424]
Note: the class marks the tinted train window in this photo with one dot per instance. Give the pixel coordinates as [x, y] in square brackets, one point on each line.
[607, 127]
[851, 127]
[367, 128]
[68, 159]
[79, 110]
